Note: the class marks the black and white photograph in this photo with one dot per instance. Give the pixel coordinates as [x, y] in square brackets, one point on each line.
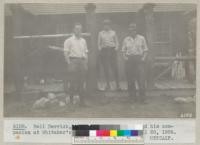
[100, 60]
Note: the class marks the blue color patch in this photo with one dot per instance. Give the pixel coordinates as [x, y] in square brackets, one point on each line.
[127, 132]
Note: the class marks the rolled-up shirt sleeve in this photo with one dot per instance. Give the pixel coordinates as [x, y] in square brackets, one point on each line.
[116, 41]
[124, 46]
[144, 45]
[67, 48]
[99, 41]
[85, 46]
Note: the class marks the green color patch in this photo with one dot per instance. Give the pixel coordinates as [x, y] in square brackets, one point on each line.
[120, 133]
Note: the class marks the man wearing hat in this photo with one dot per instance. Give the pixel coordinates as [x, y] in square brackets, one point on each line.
[135, 51]
[108, 46]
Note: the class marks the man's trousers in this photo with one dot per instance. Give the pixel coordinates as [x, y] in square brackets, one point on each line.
[135, 73]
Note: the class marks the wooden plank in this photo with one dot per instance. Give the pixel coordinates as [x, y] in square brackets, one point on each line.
[48, 36]
[175, 58]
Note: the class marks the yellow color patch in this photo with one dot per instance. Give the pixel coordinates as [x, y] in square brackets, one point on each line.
[113, 132]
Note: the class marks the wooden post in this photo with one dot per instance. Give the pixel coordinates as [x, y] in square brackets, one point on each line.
[191, 22]
[149, 23]
[17, 51]
[148, 14]
[92, 58]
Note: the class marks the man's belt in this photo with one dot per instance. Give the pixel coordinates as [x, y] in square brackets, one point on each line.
[108, 47]
[136, 55]
[76, 57]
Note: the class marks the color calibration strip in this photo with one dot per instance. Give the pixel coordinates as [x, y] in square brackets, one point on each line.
[107, 134]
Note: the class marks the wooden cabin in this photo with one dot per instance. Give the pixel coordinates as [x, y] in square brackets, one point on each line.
[165, 27]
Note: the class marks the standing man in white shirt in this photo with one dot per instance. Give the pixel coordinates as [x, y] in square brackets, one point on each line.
[108, 46]
[135, 52]
[75, 52]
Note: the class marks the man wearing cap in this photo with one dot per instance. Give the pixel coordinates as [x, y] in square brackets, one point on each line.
[108, 46]
[75, 52]
[134, 50]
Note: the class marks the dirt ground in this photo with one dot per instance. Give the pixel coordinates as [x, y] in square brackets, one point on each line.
[158, 103]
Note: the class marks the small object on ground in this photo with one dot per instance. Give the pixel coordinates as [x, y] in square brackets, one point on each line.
[40, 103]
[51, 96]
[42, 81]
[52, 101]
[180, 99]
[61, 104]
[185, 100]
[190, 99]
[49, 101]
